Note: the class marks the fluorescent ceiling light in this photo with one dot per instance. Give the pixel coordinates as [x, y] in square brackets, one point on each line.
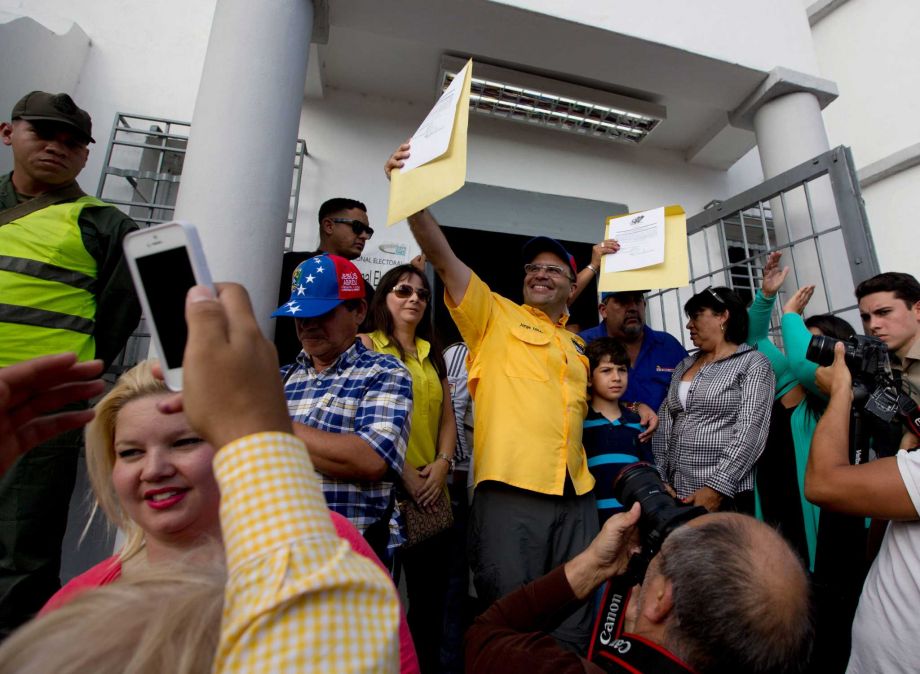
[554, 104]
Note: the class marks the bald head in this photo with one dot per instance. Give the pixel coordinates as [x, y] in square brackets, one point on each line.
[740, 596]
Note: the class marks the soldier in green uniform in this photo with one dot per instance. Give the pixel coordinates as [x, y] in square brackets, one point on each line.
[64, 286]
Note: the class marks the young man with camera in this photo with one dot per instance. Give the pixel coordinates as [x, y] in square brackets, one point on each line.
[889, 305]
[887, 621]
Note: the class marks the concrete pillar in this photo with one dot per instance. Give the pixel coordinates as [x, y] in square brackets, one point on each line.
[790, 130]
[236, 180]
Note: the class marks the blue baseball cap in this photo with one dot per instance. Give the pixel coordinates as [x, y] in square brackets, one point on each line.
[541, 244]
[624, 295]
[319, 285]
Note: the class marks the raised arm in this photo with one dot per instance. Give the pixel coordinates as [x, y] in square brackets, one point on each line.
[296, 593]
[427, 232]
[796, 338]
[759, 314]
[593, 268]
[762, 308]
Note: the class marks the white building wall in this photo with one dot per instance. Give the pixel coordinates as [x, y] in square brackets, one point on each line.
[759, 34]
[892, 208]
[868, 49]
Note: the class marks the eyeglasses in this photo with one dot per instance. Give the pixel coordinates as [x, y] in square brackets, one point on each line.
[553, 270]
[357, 226]
[404, 291]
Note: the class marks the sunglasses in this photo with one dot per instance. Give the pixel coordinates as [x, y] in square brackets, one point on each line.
[549, 269]
[404, 291]
[715, 295]
[357, 226]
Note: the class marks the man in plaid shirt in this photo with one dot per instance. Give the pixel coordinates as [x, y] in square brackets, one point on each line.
[350, 406]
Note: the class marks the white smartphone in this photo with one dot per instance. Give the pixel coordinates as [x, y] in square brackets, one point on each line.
[165, 261]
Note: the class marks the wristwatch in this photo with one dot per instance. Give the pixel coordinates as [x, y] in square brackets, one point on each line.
[450, 461]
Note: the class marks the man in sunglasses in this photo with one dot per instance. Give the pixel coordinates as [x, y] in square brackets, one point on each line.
[533, 507]
[344, 230]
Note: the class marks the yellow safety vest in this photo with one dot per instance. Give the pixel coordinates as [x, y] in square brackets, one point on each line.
[47, 285]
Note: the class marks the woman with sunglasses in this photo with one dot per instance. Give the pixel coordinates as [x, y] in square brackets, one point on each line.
[401, 315]
[714, 420]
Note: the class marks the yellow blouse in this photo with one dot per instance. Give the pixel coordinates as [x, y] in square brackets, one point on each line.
[427, 398]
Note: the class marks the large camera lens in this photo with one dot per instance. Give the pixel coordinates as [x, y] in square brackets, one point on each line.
[661, 512]
[821, 350]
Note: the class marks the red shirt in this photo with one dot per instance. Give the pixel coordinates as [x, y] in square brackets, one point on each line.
[109, 570]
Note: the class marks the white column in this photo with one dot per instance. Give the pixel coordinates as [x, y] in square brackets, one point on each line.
[236, 180]
[790, 130]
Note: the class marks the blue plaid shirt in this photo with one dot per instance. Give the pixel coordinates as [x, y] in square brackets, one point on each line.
[366, 393]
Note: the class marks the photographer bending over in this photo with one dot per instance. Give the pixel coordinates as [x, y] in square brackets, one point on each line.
[726, 593]
[887, 621]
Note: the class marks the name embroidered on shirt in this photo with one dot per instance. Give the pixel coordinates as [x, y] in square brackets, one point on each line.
[531, 327]
[662, 368]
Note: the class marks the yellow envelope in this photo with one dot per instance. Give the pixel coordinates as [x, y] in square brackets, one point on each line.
[439, 178]
[674, 272]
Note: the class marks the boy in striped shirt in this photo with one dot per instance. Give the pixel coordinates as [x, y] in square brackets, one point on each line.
[611, 430]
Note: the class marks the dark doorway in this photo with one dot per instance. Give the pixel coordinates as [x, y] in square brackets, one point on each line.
[496, 259]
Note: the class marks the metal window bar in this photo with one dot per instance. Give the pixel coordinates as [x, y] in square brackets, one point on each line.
[144, 155]
[748, 222]
[811, 223]
[300, 155]
[142, 174]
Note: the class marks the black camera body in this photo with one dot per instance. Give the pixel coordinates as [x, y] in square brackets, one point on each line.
[876, 390]
[865, 357]
[661, 514]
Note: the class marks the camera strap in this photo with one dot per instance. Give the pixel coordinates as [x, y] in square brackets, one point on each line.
[615, 650]
[70, 192]
[633, 654]
[909, 412]
[608, 624]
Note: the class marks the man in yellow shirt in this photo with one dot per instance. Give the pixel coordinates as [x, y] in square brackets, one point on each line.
[533, 506]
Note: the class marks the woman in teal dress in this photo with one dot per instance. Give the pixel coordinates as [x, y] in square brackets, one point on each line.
[832, 545]
[797, 407]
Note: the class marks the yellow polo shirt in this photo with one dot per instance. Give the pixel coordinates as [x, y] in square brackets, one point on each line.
[528, 378]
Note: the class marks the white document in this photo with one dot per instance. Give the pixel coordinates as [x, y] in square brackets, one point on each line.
[641, 238]
[431, 139]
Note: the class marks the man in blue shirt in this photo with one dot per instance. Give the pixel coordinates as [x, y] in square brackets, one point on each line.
[653, 354]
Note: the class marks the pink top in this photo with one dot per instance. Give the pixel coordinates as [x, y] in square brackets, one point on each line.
[109, 570]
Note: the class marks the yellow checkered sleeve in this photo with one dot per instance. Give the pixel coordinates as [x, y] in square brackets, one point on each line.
[298, 599]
